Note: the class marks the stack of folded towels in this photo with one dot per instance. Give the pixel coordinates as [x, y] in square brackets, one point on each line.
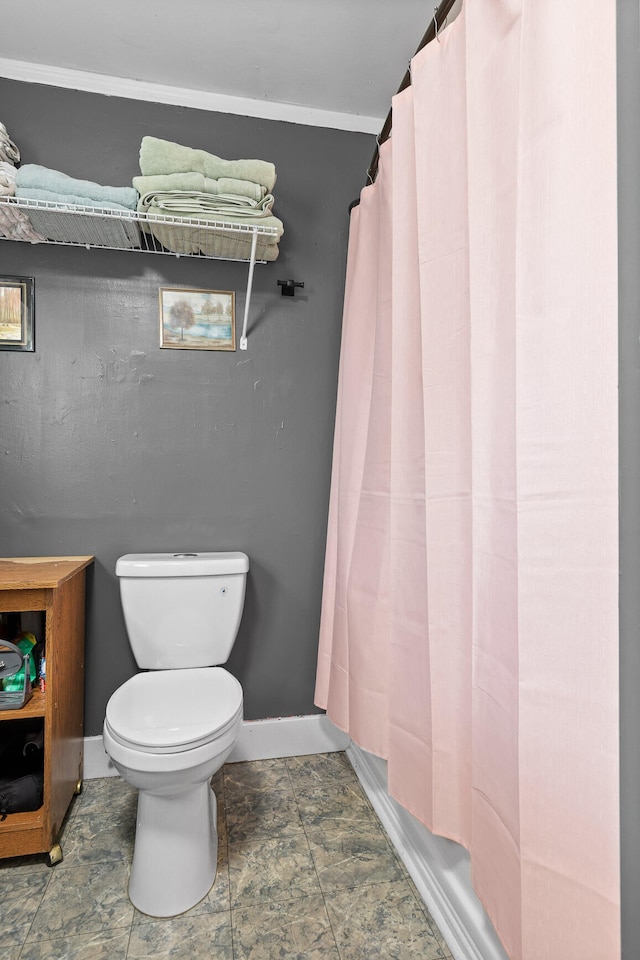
[14, 224]
[37, 183]
[176, 184]
[186, 183]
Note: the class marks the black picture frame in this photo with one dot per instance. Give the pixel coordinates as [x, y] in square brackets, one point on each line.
[17, 315]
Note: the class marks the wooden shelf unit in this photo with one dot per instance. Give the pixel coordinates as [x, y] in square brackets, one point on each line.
[55, 586]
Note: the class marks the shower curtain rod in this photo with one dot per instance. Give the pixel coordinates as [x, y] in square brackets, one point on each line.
[437, 23]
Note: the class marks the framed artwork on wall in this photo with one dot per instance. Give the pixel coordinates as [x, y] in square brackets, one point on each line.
[17, 321]
[197, 319]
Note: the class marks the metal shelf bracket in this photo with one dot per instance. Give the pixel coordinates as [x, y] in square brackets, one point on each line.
[247, 302]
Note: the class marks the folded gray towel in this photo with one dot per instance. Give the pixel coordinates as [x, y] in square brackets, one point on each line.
[32, 176]
[164, 157]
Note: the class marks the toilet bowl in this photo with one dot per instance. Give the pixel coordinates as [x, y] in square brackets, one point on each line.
[167, 734]
[169, 729]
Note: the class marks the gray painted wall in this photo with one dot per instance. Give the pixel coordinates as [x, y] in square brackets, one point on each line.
[629, 294]
[110, 445]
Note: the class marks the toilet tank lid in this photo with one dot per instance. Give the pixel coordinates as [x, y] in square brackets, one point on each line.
[181, 564]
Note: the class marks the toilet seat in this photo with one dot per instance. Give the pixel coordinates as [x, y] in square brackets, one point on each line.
[172, 711]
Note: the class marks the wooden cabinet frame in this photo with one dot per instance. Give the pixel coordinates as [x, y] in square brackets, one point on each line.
[56, 586]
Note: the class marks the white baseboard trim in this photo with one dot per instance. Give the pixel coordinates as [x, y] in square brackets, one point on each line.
[288, 737]
[258, 740]
[438, 867]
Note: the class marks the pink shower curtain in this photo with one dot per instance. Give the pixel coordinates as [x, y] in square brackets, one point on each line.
[469, 622]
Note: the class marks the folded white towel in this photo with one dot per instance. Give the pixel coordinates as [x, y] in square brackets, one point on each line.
[9, 153]
[7, 179]
[8, 170]
[15, 225]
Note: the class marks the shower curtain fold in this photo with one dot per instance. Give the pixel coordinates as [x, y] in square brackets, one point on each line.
[469, 618]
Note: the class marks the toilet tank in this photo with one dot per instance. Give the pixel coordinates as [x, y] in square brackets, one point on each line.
[182, 609]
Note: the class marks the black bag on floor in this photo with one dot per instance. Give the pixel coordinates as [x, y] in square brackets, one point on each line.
[21, 794]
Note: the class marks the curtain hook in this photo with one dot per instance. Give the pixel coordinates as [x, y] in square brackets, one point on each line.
[435, 23]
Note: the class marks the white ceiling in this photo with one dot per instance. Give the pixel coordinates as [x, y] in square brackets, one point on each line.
[326, 62]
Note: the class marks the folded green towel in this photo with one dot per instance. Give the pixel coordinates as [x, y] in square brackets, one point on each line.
[164, 157]
[33, 176]
[198, 182]
[211, 243]
[194, 204]
[150, 204]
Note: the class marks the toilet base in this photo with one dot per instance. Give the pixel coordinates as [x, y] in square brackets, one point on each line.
[176, 850]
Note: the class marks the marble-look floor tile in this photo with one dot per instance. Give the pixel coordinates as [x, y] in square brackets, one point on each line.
[103, 794]
[222, 823]
[86, 898]
[262, 815]
[296, 929]
[319, 768]
[381, 922]
[22, 876]
[280, 869]
[16, 918]
[88, 946]
[23, 882]
[195, 937]
[72, 810]
[258, 776]
[432, 923]
[97, 835]
[351, 855]
[344, 802]
[217, 900]
[444, 949]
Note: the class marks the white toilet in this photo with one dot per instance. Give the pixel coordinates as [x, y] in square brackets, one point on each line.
[170, 729]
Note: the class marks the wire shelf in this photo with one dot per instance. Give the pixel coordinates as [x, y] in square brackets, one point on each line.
[100, 228]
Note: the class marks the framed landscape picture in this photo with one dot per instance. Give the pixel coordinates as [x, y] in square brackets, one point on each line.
[16, 314]
[197, 319]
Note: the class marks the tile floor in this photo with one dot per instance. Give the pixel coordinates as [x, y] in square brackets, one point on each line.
[305, 872]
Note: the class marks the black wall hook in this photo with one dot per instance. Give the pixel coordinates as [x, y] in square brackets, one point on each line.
[288, 287]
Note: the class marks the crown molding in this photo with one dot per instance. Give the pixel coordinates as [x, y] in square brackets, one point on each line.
[177, 96]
